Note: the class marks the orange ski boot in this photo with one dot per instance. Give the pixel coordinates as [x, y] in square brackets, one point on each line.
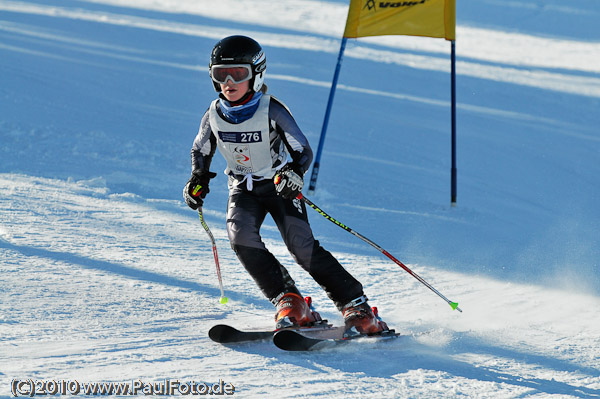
[360, 318]
[294, 311]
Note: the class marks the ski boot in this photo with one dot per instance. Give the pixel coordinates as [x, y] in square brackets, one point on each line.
[361, 319]
[295, 311]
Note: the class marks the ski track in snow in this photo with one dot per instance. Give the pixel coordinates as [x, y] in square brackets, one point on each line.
[103, 281]
[577, 56]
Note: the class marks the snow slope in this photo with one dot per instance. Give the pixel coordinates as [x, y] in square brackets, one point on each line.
[106, 275]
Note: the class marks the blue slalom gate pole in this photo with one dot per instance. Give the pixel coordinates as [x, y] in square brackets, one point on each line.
[453, 95]
[316, 164]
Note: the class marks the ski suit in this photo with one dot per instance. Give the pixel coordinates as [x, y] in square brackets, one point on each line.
[254, 150]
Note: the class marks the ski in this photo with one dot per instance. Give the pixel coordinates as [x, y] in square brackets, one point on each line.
[226, 334]
[314, 340]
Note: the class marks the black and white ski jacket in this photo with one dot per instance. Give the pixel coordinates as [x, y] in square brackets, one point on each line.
[250, 157]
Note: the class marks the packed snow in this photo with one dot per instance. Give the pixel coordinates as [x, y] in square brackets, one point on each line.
[107, 276]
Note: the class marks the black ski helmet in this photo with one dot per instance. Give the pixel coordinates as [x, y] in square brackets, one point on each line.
[240, 50]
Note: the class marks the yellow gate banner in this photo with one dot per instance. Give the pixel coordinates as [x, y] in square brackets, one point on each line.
[431, 18]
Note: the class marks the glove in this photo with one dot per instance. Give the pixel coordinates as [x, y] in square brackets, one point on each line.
[288, 181]
[197, 188]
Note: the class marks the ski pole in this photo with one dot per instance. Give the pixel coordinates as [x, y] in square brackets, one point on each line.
[453, 305]
[223, 298]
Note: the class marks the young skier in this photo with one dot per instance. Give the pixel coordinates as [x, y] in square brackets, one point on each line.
[257, 136]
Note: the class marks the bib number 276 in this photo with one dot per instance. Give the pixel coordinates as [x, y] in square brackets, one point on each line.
[250, 137]
[241, 137]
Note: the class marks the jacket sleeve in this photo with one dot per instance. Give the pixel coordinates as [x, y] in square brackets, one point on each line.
[204, 146]
[295, 142]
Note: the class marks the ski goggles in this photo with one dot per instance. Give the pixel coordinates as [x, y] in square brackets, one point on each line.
[236, 73]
